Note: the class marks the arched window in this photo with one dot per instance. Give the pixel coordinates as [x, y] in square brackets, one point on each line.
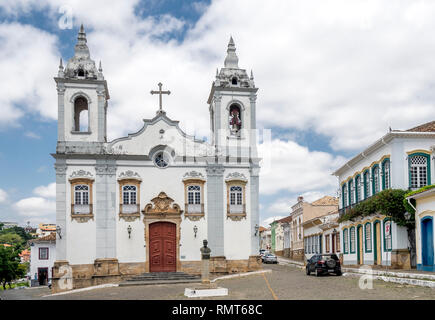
[344, 195]
[129, 194]
[368, 237]
[386, 174]
[81, 115]
[387, 235]
[235, 119]
[419, 170]
[375, 178]
[80, 72]
[234, 80]
[236, 195]
[358, 188]
[351, 193]
[81, 194]
[352, 240]
[194, 194]
[366, 182]
[346, 240]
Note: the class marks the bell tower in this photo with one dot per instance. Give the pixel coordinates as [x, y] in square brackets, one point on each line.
[232, 104]
[82, 102]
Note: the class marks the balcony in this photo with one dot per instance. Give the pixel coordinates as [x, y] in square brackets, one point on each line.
[346, 209]
[194, 212]
[81, 208]
[82, 212]
[236, 211]
[129, 208]
[129, 212]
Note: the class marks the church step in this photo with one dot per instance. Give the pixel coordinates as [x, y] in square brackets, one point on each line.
[162, 276]
[154, 282]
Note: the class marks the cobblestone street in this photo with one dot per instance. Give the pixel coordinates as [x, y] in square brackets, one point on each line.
[283, 283]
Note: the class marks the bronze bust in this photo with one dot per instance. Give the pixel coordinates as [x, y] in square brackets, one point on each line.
[205, 251]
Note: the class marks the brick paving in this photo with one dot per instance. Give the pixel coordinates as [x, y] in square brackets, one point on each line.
[287, 283]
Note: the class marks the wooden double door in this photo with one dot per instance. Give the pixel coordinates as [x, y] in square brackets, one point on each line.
[162, 248]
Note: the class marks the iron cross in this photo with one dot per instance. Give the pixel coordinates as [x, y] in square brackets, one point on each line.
[160, 92]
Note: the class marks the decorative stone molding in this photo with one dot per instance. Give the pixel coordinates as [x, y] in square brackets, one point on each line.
[161, 206]
[129, 217]
[82, 218]
[105, 169]
[81, 174]
[129, 175]
[60, 169]
[236, 216]
[194, 216]
[236, 176]
[193, 175]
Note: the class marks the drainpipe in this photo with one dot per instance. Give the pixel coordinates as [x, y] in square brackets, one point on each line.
[409, 201]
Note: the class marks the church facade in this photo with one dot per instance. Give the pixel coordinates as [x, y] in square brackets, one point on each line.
[145, 202]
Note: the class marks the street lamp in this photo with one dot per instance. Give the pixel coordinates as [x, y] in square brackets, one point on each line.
[195, 230]
[129, 231]
[256, 229]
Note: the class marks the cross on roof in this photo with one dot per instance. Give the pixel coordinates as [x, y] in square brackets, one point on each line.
[160, 92]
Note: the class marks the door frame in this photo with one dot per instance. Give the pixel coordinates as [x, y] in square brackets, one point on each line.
[46, 278]
[427, 219]
[359, 242]
[377, 254]
[161, 210]
[175, 244]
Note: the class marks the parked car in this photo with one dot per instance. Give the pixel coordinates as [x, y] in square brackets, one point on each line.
[270, 258]
[262, 251]
[324, 264]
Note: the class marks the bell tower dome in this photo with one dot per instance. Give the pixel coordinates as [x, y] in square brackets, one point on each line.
[82, 101]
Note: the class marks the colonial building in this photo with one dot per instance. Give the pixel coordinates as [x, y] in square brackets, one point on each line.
[265, 238]
[45, 229]
[398, 160]
[424, 204]
[42, 258]
[305, 211]
[145, 202]
[321, 235]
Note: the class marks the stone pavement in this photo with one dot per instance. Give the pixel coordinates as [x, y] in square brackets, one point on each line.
[285, 282]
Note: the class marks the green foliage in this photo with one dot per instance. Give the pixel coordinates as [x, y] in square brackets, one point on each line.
[408, 207]
[12, 239]
[9, 265]
[387, 202]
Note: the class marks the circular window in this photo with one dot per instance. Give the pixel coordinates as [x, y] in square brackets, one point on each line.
[162, 160]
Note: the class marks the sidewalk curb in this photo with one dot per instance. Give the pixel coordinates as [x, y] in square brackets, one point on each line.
[414, 282]
[107, 285]
[238, 275]
[418, 276]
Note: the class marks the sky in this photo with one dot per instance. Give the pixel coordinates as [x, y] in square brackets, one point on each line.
[333, 76]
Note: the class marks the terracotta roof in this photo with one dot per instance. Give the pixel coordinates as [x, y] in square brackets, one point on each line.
[49, 238]
[286, 219]
[326, 201]
[261, 229]
[6, 245]
[426, 127]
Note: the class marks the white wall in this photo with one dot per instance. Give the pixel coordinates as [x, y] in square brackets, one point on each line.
[36, 263]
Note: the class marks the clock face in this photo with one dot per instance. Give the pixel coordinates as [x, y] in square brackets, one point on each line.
[161, 160]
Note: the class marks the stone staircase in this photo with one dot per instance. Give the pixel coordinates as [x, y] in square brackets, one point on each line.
[160, 278]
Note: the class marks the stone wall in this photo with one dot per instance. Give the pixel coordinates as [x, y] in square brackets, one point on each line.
[298, 255]
[400, 259]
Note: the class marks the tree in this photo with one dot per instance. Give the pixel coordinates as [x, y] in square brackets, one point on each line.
[9, 265]
[1, 226]
[12, 239]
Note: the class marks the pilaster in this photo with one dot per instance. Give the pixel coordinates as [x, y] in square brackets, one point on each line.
[61, 167]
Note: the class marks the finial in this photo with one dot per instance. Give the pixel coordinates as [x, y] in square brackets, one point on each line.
[60, 73]
[252, 75]
[231, 61]
[82, 35]
[217, 72]
[100, 68]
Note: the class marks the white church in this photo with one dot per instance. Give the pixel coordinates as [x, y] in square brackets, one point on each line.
[145, 202]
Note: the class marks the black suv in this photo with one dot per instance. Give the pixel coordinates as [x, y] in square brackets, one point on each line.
[323, 263]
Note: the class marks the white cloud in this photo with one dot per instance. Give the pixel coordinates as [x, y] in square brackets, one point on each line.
[28, 59]
[48, 191]
[292, 167]
[282, 205]
[265, 223]
[345, 69]
[3, 196]
[35, 207]
[32, 135]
